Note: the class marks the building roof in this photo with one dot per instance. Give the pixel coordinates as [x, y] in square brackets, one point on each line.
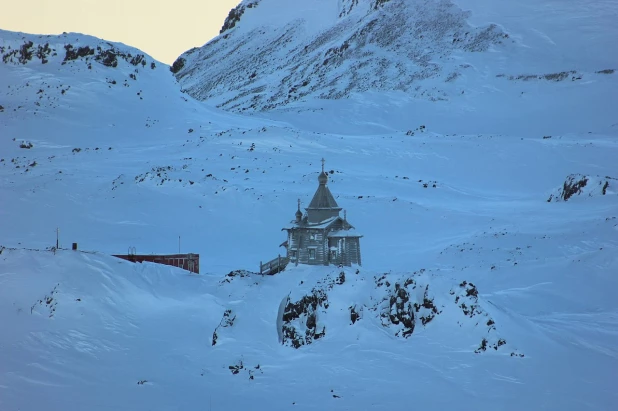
[323, 198]
[307, 224]
[344, 234]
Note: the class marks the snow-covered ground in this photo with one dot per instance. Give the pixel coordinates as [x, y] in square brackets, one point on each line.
[458, 232]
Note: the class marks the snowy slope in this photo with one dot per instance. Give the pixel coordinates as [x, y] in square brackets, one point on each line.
[83, 330]
[526, 66]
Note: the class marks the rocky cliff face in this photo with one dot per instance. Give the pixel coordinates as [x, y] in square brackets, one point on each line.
[270, 54]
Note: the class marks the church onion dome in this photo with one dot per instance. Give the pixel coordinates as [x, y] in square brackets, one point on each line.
[323, 178]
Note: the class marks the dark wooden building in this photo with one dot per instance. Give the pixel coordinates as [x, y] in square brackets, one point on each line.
[321, 236]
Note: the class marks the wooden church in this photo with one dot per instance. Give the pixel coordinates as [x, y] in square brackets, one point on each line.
[321, 236]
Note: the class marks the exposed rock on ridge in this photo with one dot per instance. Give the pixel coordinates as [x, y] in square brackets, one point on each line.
[579, 184]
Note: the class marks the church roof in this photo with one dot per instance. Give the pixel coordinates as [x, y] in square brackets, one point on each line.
[347, 227]
[323, 198]
[344, 234]
[305, 224]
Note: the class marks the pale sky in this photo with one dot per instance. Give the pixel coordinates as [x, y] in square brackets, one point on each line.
[162, 28]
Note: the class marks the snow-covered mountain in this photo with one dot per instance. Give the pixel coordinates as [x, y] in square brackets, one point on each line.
[446, 64]
[330, 49]
[489, 258]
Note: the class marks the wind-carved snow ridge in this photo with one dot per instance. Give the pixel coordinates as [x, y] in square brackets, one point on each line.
[367, 45]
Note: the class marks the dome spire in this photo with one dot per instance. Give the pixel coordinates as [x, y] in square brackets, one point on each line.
[299, 214]
[323, 177]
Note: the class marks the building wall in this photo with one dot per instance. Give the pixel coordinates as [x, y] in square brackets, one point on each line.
[348, 250]
[300, 242]
[352, 251]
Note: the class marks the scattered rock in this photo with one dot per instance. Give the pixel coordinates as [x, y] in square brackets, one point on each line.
[355, 313]
[236, 274]
[485, 345]
[235, 369]
[74, 54]
[48, 301]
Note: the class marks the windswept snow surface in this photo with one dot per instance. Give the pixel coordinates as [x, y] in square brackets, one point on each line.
[115, 162]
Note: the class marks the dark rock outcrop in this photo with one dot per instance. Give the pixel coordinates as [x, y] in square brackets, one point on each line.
[355, 313]
[578, 184]
[177, 65]
[402, 307]
[573, 186]
[300, 319]
[235, 14]
[105, 53]
[427, 310]
[467, 299]
[75, 53]
[400, 312]
[227, 321]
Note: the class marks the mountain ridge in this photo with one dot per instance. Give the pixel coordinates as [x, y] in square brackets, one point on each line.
[392, 47]
[292, 65]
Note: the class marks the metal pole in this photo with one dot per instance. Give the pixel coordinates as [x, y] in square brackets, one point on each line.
[57, 235]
